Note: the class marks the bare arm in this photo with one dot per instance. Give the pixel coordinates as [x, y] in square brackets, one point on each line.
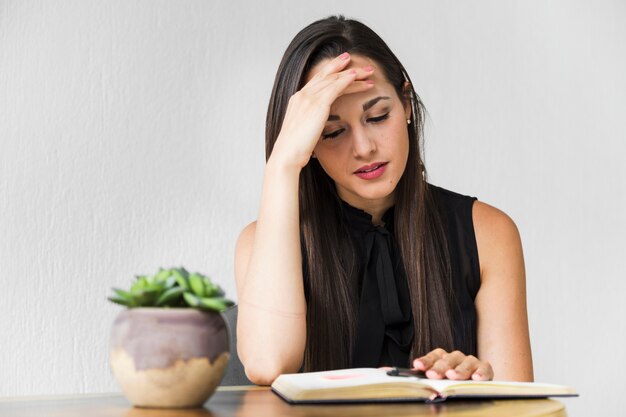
[503, 340]
[271, 326]
[503, 337]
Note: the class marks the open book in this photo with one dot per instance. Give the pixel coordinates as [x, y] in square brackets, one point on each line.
[375, 385]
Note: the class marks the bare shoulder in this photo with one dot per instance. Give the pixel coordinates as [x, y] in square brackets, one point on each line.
[502, 328]
[247, 234]
[243, 250]
[491, 222]
[497, 238]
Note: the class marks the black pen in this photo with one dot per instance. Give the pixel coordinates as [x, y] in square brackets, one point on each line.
[395, 371]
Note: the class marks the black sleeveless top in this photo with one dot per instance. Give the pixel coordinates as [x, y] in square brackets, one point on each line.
[385, 323]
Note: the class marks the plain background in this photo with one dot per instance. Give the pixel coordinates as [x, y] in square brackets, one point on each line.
[132, 138]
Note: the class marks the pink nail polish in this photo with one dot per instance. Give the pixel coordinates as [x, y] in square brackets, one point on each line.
[370, 82]
[368, 68]
[344, 56]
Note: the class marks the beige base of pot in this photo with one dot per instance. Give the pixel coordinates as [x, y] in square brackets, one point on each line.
[186, 384]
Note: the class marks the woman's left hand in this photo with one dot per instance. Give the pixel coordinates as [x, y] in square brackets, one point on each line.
[439, 364]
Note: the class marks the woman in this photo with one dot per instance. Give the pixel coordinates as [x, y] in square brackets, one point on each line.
[355, 260]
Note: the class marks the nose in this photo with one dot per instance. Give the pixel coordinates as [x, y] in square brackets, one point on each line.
[362, 144]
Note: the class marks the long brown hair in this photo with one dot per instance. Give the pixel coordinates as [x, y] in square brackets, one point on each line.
[329, 260]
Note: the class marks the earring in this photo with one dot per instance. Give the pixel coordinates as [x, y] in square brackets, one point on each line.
[408, 121]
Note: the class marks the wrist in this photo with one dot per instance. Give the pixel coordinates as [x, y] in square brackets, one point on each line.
[282, 166]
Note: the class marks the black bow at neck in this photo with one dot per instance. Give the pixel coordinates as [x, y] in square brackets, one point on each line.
[384, 325]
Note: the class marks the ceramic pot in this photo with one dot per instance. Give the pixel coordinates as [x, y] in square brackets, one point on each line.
[168, 357]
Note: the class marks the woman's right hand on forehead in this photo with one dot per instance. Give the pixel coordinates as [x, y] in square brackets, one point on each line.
[309, 108]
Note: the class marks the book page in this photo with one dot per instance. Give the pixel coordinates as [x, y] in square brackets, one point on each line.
[447, 384]
[343, 378]
[363, 383]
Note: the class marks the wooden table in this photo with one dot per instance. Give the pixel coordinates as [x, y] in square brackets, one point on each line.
[261, 402]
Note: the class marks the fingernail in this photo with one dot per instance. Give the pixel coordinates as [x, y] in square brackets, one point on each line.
[432, 373]
[477, 376]
[352, 72]
[368, 68]
[370, 82]
[344, 56]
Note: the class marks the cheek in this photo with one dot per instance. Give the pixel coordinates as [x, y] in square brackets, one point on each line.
[395, 139]
[400, 147]
[325, 159]
[331, 156]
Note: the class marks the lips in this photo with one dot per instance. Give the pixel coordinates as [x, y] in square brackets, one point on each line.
[370, 168]
[371, 172]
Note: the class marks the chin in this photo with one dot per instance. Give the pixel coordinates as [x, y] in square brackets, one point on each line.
[374, 191]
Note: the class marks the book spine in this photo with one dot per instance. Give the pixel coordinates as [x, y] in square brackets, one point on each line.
[435, 398]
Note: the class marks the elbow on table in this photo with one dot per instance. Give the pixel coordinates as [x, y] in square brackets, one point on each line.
[264, 374]
[264, 369]
[263, 364]
[265, 357]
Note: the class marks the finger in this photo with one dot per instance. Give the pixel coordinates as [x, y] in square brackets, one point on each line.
[335, 83]
[447, 362]
[332, 82]
[426, 362]
[364, 72]
[361, 82]
[484, 372]
[342, 86]
[334, 65]
[357, 87]
[465, 369]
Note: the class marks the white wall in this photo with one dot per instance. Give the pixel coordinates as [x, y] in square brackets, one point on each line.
[131, 137]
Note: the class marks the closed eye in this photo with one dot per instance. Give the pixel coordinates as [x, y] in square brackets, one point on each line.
[332, 134]
[337, 132]
[379, 118]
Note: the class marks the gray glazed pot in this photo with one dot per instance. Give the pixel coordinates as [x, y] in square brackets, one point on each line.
[168, 358]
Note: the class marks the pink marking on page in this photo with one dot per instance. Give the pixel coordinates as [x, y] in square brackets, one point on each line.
[348, 376]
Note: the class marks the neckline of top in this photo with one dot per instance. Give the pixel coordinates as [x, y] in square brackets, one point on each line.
[361, 220]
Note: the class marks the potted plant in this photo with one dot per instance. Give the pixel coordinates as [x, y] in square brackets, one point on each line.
[170, 347]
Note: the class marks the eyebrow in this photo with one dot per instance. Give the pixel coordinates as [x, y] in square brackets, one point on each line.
[367, 105]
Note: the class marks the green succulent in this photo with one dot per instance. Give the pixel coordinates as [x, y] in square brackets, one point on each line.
[174, 287]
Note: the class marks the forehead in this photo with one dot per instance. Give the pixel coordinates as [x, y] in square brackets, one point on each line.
[355, 61]
[381, 85]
